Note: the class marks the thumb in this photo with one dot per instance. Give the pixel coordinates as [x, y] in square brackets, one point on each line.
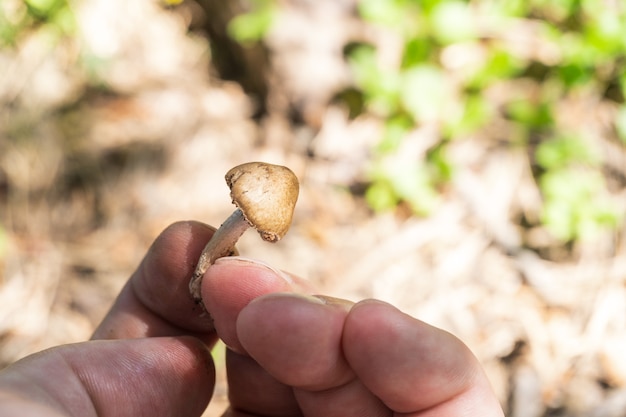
[132, 377]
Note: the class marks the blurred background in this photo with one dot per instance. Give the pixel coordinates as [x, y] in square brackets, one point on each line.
[463, 160]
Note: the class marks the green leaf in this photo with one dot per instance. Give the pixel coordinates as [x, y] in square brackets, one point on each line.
[620, 123]
[565, 151]
[574, 206]
[251, 27]
[512, 8]
[605, 30]
[380, 196]
[65, 20]
[396, 128]
[396, 179]
[439, 163]
[452, 21]
[573, 74]
[424, 92]
[380, 87]
[476, 113]
[404, 16]
[416, 51]
[8, 30]
[531, 114]
[384, 12]
[413, 184]
[44, 9]
[500, 64]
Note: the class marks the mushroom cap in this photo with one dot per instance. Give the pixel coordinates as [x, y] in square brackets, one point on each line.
[266, 194]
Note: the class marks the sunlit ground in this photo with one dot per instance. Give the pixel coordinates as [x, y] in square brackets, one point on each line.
[124, 126]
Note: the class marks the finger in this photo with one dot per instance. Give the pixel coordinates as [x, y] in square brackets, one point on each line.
[156, 300]
[297, 341]
[253, 390]
[231, 283]
[413, 367]
[228, 287]
[139, 377]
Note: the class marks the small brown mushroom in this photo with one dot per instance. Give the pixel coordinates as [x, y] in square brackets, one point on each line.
[265, 196]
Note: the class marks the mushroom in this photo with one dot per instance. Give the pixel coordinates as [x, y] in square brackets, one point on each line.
[265, 196]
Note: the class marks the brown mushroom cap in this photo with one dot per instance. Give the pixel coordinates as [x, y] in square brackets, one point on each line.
[266, 194]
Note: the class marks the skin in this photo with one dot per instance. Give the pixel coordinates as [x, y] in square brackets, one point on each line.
[291, 353]
[265, 196]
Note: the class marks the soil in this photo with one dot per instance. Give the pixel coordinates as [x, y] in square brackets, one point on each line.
[94, 164]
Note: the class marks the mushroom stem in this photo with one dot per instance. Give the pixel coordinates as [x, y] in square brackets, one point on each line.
[265, 196]
[222, 243]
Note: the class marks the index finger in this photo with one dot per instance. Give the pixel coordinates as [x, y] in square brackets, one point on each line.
[415, 368]
[155, 301]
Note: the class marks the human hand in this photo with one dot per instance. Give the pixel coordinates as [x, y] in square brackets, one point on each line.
[293, 354]
[290, 354]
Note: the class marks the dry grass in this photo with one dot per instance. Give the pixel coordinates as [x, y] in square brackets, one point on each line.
[87, 180]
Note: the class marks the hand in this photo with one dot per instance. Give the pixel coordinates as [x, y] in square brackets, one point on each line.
[290, 354]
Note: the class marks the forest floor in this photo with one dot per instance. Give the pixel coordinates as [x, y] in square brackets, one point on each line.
[89, 179]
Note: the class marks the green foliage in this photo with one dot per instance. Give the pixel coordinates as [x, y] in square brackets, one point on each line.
[575, 205]
[451, 22]
[498, 65]
[381, 87]
[250, 27]
[531, 115]
[474, 114]
[423, 92]
[620, 123]
[20, 17]
[401, 14]
[566, 151]
[415, 92]
[590, 52]
[396, 181]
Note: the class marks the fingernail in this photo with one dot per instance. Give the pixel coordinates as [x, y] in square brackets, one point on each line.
[240, 261]
[333, 301]
[305, 297]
